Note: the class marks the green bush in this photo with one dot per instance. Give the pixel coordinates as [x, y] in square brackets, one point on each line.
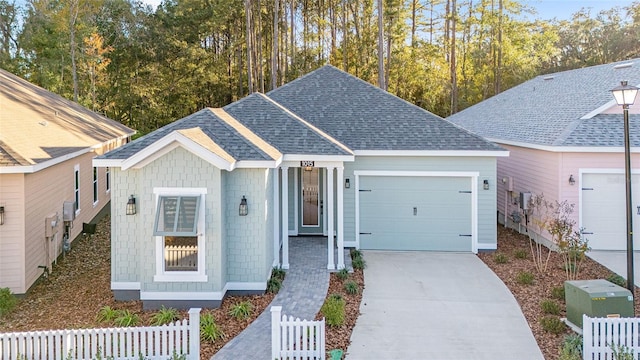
[209, 330]
[525, 278]
[343, 274]
[355, 254]
[278, 273]
[164, 316]
[333, 310]
[558, 293]
[7, 301]
[617, 279]
[520, 254]
[107, 314]
[358, 263]
[274, 285]
[552, 324]
[550, 307]
[571, 348]
[622, 352]
[351, 287]
[126, 318]
[500, 258]
[241, 310]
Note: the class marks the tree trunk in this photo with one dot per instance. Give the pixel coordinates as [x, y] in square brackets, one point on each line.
[274, 55]
[247, 9]
[454, 78]
[73, 17]
[381, 82]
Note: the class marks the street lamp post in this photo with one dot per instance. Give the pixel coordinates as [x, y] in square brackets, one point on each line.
[625, 95]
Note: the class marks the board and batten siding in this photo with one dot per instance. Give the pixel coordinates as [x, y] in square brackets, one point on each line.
[248, 238]
[12, 255]
[485, 166]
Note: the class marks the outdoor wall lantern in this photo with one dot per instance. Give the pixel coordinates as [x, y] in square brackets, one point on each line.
[625, 95]
[485, 184]
[131, 206]
[347, 183]
[1, 215]
[572, 180]
[244, 208]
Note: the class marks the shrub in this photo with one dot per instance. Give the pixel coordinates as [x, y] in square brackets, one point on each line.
[333, 310]
[274, 285]
[126, 318]
[500, 258]
[241, 310]
[343, 274]
[550, 307]
[558, 292]
[7, 301]
[278, 273]
[351, 287]
[107, 314]
[552, 324]
[164, 316]
[355, 254]
[358, 263]
[525, 278]
[617, 279]
[209, 330]
[571, 348]
[520, 254]
[622, 352]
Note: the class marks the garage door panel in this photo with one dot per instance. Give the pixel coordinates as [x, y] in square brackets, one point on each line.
[603, 209]
[443, 213]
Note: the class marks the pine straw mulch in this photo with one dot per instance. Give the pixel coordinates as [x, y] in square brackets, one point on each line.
[80, 285]
[530, 296]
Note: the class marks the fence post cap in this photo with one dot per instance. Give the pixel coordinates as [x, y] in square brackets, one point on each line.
[276, 308]
[194, 310]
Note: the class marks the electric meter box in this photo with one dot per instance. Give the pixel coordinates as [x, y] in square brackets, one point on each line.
[596, 298]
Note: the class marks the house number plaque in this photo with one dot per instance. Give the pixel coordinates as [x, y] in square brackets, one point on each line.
[307, 163]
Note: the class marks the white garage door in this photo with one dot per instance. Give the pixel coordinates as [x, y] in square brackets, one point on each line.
[415, 213]
[604, 216]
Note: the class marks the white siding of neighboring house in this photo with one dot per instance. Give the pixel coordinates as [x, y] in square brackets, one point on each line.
[12, 233]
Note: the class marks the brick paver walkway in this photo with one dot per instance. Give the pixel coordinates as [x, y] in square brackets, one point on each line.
[302, 294]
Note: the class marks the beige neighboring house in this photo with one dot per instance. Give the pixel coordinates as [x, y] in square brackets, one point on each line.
[48, 186]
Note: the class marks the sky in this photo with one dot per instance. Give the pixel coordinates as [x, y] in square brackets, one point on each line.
[563, 9]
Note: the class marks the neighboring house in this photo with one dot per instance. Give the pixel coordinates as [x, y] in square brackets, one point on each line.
[565, 137]
[325, 154]
[47, 144]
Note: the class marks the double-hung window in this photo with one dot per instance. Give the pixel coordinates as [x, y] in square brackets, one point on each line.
[179, 232]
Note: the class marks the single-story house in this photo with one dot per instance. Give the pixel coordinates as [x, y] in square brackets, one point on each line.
[565, 136]
[219, 192]
[48, 185]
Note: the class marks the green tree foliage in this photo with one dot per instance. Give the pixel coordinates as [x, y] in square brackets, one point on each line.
[147, 67]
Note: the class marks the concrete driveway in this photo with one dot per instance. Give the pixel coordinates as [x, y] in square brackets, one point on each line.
[426, 305]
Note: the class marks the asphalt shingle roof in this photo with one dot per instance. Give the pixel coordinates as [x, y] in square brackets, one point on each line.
[364, 117]
[547, 110]
[281, 128]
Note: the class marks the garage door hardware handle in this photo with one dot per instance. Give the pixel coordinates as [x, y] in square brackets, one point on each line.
[364, 190]
[587, 188]
[587, 233]
[469, 235]
[365, 233]
[464, 192]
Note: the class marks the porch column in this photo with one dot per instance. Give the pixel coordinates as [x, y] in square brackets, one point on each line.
[340, 218]
[276, 217]
[330, 261]
[285, 217]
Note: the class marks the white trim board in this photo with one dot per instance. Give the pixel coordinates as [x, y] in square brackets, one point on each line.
[123, 285]
[569, 149]
[432, 153]
[472, 175]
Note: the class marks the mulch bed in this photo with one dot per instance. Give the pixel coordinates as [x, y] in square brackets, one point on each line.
[530, 296]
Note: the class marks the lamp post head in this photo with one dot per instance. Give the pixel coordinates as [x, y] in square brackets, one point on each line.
[625, 94]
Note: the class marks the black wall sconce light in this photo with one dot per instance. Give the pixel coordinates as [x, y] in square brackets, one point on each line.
[485, 184]
[243, 210]
[572, 180]
[1, 215]
[131, 206]
[347, 183]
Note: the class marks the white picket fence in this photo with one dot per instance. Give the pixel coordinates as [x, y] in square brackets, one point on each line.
[599, 334]
[131, 343]
[296, 339]
[180, 257]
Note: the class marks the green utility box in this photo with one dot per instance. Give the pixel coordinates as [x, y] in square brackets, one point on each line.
[596, 298]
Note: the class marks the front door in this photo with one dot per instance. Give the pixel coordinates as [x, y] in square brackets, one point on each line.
[311, 201]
